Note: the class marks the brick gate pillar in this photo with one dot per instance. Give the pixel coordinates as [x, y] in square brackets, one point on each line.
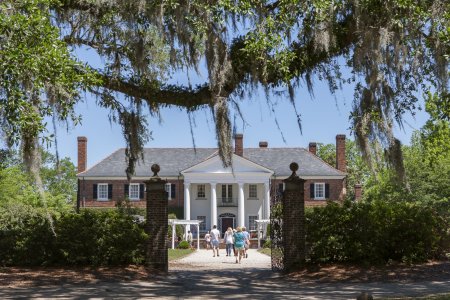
[294, 221]
[156, 225]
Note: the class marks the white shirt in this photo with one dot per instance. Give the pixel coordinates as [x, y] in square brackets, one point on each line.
[215, 234]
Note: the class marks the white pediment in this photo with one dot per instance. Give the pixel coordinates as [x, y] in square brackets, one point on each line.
[214, 165]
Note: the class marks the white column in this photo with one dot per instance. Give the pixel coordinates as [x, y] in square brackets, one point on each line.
[213, 204]
[198, 237]
[241, 208]
[173, 236]
[187, 205]
[267, 200]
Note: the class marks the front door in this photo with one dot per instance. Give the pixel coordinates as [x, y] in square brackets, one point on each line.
[227, 222]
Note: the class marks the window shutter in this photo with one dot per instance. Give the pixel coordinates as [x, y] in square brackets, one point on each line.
[94, 191]
[172, 190]
[110, 191]
[126, 190]
[280, 188]
[311, 191]
[141, 191]
[327, 190]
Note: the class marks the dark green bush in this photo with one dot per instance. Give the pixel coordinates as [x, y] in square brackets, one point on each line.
[375, 232]
[267, 244]
[89, 238]
[183, 245]
[25, 236]
[100, 238]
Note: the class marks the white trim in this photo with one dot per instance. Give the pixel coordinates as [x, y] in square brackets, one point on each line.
[138, 192]
[168, 188]
[315, 190]
[98, 192]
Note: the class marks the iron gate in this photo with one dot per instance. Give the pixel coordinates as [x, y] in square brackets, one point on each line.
[276, 228]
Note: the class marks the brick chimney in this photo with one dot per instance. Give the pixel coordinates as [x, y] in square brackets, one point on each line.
[341, 163]
[358, 192]
[239, 144]
[313, 148]
[263, 144]
[82, 153]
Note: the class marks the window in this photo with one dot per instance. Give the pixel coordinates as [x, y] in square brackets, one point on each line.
[102, 191]
[252, 222]
[280, 189]
[201, 194]
[168, 189]
[202, 225]
[134, 191]
[227, 193]
[319, 191]
[252, 191]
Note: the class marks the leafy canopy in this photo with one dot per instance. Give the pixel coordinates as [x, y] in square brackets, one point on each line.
[394, 49]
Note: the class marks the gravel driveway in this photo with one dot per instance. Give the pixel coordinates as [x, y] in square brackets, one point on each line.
[202, 276]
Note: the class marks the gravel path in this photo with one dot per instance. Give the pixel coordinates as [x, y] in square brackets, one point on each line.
[204, 260]
[202, 276]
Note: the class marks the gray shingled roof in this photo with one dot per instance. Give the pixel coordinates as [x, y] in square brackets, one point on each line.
[174, 160]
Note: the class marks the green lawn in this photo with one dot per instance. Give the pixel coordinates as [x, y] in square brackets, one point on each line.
[179, 253]
[266, 251]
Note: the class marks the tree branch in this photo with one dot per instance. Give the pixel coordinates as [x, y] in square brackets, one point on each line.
[155, 94]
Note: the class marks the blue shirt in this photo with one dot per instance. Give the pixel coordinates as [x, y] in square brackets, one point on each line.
[239, 239]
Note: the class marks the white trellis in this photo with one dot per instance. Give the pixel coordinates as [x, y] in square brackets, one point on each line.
[260, 225]
[175, 222]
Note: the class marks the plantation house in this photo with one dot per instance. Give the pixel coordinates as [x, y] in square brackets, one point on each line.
[198, 183]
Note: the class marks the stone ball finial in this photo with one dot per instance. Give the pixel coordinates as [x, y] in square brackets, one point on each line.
[294, 167]
[155, 169]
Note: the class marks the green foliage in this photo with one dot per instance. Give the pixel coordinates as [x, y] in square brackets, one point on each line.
[178, 228]
[89, 238]
[99, 238]
[38, 76]
[59, 181]
[267, 244]
[376, 232]
[357, 169]
[183, 245]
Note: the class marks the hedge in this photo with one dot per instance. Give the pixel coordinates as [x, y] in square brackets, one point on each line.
[377, 232]
[89, 238]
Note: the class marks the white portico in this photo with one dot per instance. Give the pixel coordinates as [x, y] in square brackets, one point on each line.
[227, 197]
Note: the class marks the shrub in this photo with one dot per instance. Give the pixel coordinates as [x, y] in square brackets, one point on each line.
[89, 238]
[183, 245]
[375, 232]
[267, 244]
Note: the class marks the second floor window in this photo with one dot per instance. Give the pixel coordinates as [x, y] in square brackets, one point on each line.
[252, 191]
[201, 193]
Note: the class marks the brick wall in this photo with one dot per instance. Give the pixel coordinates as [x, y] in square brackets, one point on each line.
[118, 194]
[335, 185]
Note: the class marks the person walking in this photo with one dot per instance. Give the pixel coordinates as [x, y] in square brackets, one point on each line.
[247, 241]
[228, 239]
[239, 243]
[215, 240]
[207, 240]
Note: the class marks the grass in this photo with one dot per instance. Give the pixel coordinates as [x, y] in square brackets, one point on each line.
[179, 253]
[266, 251]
